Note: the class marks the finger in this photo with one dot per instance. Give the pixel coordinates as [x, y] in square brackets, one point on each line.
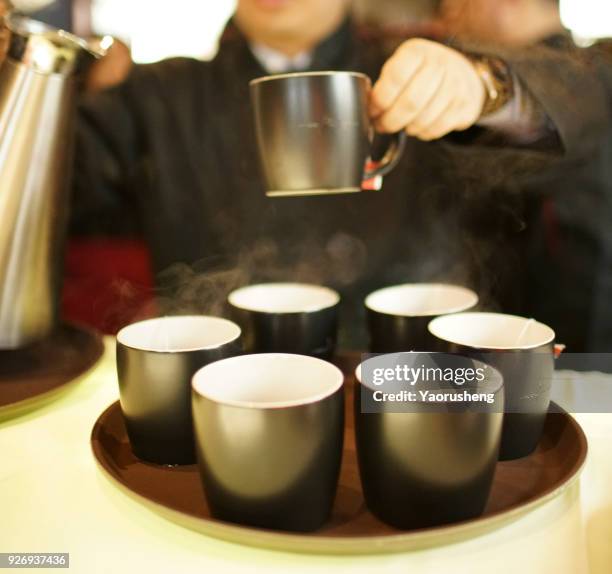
[412, 100]
[440, 103]
[395, 74]
[441, 126]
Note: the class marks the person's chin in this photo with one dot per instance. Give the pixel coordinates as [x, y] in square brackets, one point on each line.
[271, 18]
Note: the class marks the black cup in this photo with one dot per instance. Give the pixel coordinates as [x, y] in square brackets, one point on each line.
[156, 360]
[314, 133]
[269, 432]
[522, 350]
[427, 464]
[287, 318]
[398, 316]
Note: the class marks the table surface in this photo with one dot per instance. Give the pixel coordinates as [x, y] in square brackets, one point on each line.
[54, 498]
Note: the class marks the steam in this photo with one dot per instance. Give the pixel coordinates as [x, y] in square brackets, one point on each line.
[204, 286]
[455, 232]
[190, 290]
[435, 249]
[441, 243]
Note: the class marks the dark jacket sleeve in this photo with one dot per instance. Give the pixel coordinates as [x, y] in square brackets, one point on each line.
[120, 133]
[569, 87]
[107, 152]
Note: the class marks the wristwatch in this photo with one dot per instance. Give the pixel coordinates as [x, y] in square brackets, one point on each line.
[497, 80]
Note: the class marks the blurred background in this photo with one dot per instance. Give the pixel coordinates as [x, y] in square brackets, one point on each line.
[107, 281]
[157, 29]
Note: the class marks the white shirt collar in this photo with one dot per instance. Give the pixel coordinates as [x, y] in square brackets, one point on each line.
[277, 63]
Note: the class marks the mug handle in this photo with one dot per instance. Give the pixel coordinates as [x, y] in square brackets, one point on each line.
[389, 160]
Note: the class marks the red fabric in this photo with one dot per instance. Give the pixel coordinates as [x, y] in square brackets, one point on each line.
[108, 283]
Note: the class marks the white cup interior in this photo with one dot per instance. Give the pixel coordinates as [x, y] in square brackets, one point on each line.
[179, 334]
[284, 298]
[421, 299]
[270, 380]
[491, 331]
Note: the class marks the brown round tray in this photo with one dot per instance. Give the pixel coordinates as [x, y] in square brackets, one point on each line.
[34, 375]
[176, 492]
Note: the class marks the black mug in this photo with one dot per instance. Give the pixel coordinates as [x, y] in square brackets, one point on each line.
[156, 360]
[426, 464]
[269, 433]
[287, 318]
[522, 350]
[314, 135]
[398, 316]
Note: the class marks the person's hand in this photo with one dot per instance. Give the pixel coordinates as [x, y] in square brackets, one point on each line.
[427, 89]
[110, 70]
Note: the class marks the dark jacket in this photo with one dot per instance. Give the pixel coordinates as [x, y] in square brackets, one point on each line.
[170, 155]
[568, 238]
